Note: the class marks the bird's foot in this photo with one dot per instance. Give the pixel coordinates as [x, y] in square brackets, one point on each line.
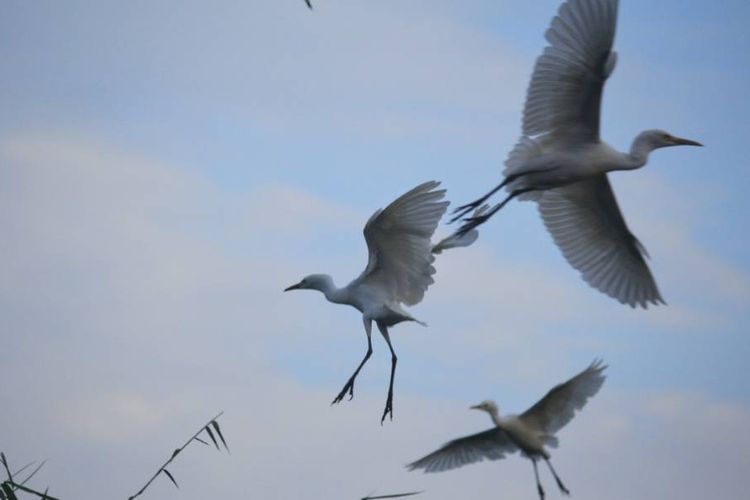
[562, 486]
[541, 491]
[459, 212]
[348, 387]
[471, 223]
[388, 409]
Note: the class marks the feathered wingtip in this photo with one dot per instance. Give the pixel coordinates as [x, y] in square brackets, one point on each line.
[459, 239]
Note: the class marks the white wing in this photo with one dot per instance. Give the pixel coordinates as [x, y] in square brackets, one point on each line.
[398, 239]
[492, 444]
[564, 96]
[558, 407]
[586, 223]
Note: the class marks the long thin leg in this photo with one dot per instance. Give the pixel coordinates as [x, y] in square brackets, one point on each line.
[557, 478]
[389, 402]
[465, 209]
[538, 484]
[474, 222]
[349, 386]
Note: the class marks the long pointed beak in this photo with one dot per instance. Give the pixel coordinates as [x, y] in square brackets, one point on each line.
[678, 141]
[475, 407]
[293, 287]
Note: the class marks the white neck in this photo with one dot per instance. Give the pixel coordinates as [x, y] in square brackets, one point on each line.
[495, 416]
[332, 293]
[639, 152]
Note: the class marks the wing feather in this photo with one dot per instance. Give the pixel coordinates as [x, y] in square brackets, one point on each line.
[586, 223]
[564, 95]
[492, 444]
[398, 240]
[558, 406]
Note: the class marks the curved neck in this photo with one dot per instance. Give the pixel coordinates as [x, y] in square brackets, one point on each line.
[495, 416]
[639, 152]
[328, 289]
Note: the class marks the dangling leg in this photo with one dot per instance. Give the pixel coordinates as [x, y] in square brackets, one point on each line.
[349, 386]
[465, 209]
[557, 478]
[538, 484]
[473, 222]
[389, 402]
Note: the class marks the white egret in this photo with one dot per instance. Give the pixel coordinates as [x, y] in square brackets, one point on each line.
[399, 269]
[527, 433]
[561, 162]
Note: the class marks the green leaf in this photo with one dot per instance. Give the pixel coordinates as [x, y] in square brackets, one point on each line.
[215, 424]
[9, 492]
[171, 478]
[211, 435]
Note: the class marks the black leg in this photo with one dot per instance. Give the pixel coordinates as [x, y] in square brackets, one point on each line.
[473, 222]
[349, 386]
[557, 478]
[389, 402]
[465, 209]
[538, 484]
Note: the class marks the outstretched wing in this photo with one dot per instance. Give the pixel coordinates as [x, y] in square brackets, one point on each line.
[492, 444]
[564, 96]
[585, 222]
[398, 240]
[558, 406]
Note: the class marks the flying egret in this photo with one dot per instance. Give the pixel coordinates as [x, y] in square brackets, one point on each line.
[528, 432]
[561, 163]
[399, 269]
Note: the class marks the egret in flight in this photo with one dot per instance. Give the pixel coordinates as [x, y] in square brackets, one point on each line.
[561, 163]
[399, 269]
[527, 433]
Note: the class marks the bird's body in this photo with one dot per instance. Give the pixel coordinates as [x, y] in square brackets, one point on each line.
[561, 162]
[528, 433]
[399, 269]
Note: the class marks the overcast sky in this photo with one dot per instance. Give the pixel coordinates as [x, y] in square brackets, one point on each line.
[168, 167]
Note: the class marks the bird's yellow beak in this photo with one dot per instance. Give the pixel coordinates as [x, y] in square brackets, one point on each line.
[678, 141]
[293, 287]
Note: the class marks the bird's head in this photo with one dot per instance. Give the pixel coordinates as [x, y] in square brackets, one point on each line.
[660, 139]
[487, 405]
[312, 282]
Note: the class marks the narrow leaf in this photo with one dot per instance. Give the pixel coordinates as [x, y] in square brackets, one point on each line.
[200, 440]
[211, 435]
[23, 468]
[34, 472]
[395, 495]
[9, 492]
[2, 495]
[44, 495]
[215, 424]
[171, 478]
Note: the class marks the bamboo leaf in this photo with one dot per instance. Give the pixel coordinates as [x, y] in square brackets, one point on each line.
[171, 478]
[215, 425]
[211, 435]
[200, 440]
[9, 492]
[34, 472]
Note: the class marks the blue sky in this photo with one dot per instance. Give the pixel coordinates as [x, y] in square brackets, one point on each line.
[167, 168]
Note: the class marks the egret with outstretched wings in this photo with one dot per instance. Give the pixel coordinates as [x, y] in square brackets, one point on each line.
[562, 164]
[527, 433]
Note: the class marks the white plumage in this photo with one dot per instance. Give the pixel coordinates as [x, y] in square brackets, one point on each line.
[561, 162]
[399, 269]
[527, 433]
